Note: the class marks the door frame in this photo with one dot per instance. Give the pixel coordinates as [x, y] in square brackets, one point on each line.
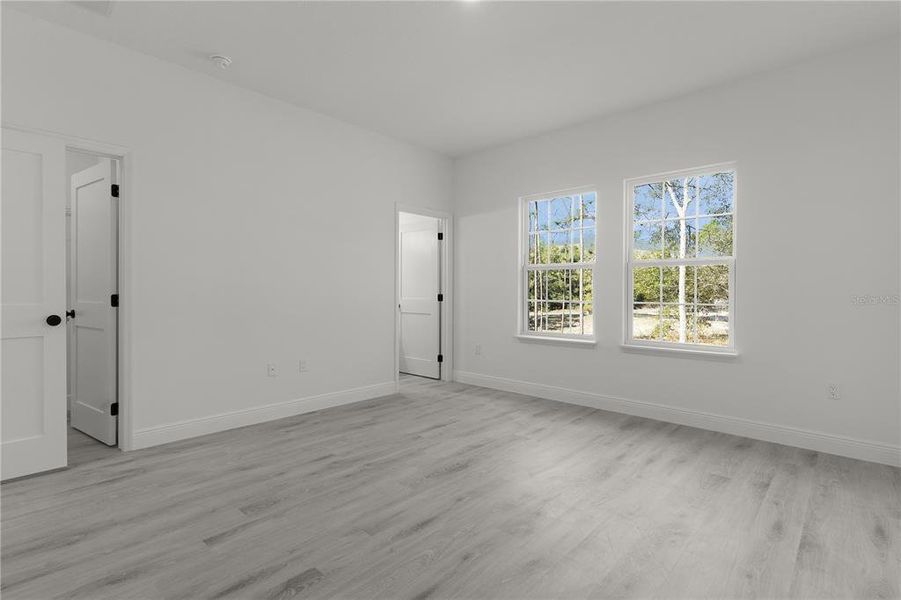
[125, 285]
[446, 226]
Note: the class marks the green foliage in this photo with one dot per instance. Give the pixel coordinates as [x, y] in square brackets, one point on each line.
[656, 284]
[662, 239]
[703, 327]
[545, 253]
[646, 284]
[715, 237]
[716, 193]
[561, 286]
[704, 195]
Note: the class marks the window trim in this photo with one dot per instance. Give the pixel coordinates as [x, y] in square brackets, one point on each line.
[628, 264]
[522, 332]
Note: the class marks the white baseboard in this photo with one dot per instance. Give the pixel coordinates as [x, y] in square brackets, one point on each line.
[172, 432]
[790, 436]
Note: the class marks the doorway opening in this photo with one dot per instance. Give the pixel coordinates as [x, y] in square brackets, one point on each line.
[423, 295]
[92, 301]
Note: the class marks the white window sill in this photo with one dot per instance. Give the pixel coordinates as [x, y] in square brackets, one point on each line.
[566, 341]
[700, 352]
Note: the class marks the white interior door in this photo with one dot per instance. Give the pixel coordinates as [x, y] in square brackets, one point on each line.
[420, 284]
[33, 215]
[93, 282]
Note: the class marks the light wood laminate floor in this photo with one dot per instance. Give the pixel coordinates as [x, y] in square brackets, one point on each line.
[448, 490]
[83, 449]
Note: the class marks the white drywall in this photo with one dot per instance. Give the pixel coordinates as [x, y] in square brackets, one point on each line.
[261, 232]
[817, 149]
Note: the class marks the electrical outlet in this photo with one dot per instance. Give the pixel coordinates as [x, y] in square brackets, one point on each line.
[478, 349]
[271, 370]
[833, 392]
[302, 366]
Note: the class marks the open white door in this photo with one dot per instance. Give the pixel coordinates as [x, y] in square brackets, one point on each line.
[93, 282]
[33, 215]
[420, 284]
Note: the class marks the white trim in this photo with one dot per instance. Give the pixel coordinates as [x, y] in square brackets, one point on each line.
[702, 170]
[582, 189]
[86, 144]
[557, 339]
[878, 452]
[628, 264]
[675, 262]
[171, 432]
[125, 427]
[445, 226]
[687, 348]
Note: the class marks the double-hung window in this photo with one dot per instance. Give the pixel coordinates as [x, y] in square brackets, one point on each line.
[680, 260]
[558, 247]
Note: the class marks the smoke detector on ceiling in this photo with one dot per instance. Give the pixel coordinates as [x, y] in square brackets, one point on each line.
[221, 61]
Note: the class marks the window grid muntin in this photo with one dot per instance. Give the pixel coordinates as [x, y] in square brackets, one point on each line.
[577, 228]
[538, 296]
[582, 224]
[692, 304]
[632, 262]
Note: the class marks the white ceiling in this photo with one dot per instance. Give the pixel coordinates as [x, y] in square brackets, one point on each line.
[459, 76]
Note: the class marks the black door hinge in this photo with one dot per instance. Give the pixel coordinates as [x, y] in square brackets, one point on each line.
[114, 300]
[440, 236]
[114, 409]
[440, 297]
[114, 190]
[440, 358]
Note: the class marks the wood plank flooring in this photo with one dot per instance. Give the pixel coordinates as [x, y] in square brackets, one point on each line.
[454, 491]
[83, 449]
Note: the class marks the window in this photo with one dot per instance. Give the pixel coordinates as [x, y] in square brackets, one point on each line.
[680, 262]
[558, 234]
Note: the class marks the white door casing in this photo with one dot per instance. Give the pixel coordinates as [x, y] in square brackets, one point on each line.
[420, 310]
[32, 212]
[93, 269]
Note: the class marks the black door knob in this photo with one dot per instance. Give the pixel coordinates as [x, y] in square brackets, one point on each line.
[54, 320]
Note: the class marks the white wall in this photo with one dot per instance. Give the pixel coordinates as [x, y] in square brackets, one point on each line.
[406, 219]
[261, 232]
[817, 147]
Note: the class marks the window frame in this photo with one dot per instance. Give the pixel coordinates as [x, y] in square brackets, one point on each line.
[630, 264]
[522, 313]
